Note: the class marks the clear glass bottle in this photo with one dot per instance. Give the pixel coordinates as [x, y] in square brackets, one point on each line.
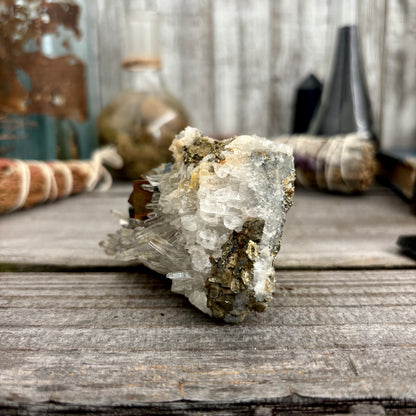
[46, 111]
[144, 118]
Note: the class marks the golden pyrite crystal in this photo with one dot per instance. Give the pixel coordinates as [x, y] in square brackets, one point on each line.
[213, 221]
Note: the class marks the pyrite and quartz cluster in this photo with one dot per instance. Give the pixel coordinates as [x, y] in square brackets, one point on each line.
[212, 221]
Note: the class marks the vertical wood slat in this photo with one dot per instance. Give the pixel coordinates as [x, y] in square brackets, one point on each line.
[226, 38]
[298, 47]
[399, 104]
[254, 56]
[110, 30]
[188, 60]
[308, 37]
[186, 37]
[241, 61]
[93, 67]
[371, 16]
[236, 64]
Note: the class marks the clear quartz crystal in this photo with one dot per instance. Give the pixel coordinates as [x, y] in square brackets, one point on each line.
[217, 222]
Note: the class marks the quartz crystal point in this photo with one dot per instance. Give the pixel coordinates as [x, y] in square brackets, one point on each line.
[214, 221]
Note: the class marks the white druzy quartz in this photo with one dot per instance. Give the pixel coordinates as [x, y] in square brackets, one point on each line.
[214, 222]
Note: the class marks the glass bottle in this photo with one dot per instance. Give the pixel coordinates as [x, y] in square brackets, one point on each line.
[46, 111]
[144, 118]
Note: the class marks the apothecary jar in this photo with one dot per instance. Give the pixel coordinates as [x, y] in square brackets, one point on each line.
[46, 88]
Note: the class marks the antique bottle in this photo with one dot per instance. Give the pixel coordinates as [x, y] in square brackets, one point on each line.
[144, 118]
[45, 89]
[345, 106]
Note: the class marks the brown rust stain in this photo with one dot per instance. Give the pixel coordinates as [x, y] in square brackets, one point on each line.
[180, 387]
[57, 85]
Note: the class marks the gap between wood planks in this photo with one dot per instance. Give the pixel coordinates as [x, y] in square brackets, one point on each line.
[294, 404]
[132, 268]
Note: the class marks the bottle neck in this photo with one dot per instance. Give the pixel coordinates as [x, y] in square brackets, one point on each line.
[143, 79]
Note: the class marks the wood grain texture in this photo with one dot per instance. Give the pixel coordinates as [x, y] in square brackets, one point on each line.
[299, 46]
[254, 61]
[236, 64]
[102, 338]
[188, 66]
[292, 405]
[109, 28]
[66, 232]
[120, 340]
[226, 38]
[399, 104]
[94, 59]
[371, 22]
[327, 231]
[303, 41]
[322, 231]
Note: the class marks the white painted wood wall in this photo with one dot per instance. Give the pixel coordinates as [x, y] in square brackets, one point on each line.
[236, 63]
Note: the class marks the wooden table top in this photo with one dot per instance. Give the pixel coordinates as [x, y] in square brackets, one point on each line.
[82, 333]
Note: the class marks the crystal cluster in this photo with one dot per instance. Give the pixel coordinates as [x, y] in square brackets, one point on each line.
[212, 221]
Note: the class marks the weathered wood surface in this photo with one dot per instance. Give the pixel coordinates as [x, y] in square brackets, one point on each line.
[399, 94]
[334, 231]
[64, 233]
[97, 337]
[322, 231]
[236, 64]
[114, 340]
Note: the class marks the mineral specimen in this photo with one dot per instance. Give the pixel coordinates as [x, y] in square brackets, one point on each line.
[214, 221]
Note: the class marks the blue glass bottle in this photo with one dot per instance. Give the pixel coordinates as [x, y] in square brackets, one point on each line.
[45, 94]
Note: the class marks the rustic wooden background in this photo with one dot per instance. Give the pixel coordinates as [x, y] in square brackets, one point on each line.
[236, 63]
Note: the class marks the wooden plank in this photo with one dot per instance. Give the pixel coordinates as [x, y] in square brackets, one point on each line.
[188, 57]
[289, 406]
[111, 340]
[371, 22]
[94, 82]
[110, 26]
[369, 16]
[254, 62]
[321, 231]
[247, 59]
[186, 42]
[141, 5]
[399, 104]
[326, 231]
[303, 41]
[64, 233]
[299, 36]
[226, 39]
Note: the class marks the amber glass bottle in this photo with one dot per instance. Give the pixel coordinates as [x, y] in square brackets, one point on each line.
[144, 118]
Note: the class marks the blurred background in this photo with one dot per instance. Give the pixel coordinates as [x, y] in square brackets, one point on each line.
[70, 69]
[235, 64]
